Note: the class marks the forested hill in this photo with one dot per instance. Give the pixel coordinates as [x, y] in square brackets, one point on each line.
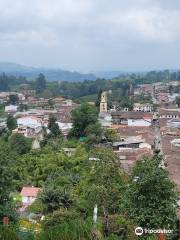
[51, 74]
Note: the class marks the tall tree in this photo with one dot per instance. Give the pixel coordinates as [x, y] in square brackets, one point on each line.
[98, 100]
[82, 117]
[94, 133]
[22, 107]
[150, 196]
[104, 183]
[20, 144]
[11, 122]
[40, 84]
[55, 197]
[13, 99]
[54, 127]
[6, 181]
[178, 101]
[4, 82]
[111, 135]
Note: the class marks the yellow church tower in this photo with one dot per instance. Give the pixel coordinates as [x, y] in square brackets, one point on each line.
[103, 103]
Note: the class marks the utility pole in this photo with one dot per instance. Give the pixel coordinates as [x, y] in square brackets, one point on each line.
[95, 214]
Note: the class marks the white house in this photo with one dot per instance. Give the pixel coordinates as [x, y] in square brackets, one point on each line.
[174, 123]
[139, 122]
[29, 195]
[29, 121]
[138, 107]
[11, 109]
[176, 142]
[105, 119]
[134, 119]
[169, 113]
[131, 143]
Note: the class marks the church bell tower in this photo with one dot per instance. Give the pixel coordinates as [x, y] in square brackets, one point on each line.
[103, 103]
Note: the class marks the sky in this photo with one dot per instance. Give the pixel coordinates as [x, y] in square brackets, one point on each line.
[91, 35]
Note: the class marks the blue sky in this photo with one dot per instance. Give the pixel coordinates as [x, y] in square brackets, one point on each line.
[91, 35]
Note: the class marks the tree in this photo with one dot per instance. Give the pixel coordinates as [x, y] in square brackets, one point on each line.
[54, 197]
[171, 89]
[56, 192]
[178, 101]
[11, 122]
[5, 171]
[7, 160]
[94, 129]
[82, 117]
[66, 225]
[111, 135]
[13, 99]
[98, 100]
[40, 84]
[22, 107]
[93, 133]
[3, 82]
[150, 196]
[54, 127]
[51, 103]
[125, 102]
[10, 233]
[20, 144]
[104, 183]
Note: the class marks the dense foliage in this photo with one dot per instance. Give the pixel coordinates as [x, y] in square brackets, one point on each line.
[40, 83]
[150, 197]
[86, 88]
[7, 161]
[83, 118]
[73, 182]
[19, 144]
[11, 123]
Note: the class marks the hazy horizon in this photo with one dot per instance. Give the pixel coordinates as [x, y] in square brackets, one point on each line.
[91, 35]
[93, 72]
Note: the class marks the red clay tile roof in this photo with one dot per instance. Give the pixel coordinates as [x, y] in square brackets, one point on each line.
[164, 111]
[131, 115]
[146, 133]
[173, 167]
[64, 114]
[30, 191]
[128, 157]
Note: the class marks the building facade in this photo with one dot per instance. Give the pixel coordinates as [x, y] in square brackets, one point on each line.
[103, 103]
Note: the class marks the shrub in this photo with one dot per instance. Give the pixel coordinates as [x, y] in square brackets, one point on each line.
[72, 230]
[8, 233]
[59, 217]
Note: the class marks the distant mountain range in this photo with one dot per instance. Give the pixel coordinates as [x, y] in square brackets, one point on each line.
[51, 74]
[57, 74]
[109, 74]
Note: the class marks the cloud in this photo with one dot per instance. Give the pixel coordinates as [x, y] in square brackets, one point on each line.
[82, 31]
[153, 24]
